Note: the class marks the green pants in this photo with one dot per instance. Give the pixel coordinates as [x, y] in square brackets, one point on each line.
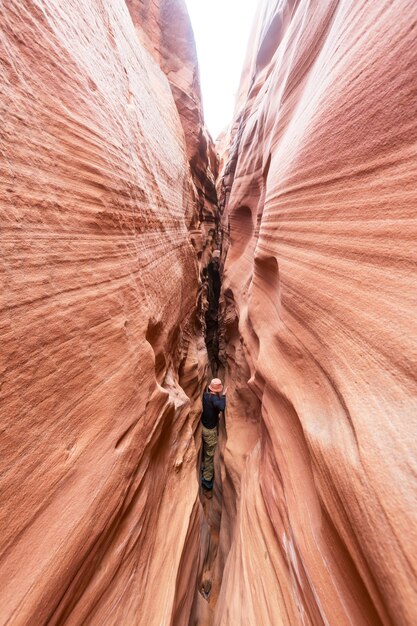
[210, 443]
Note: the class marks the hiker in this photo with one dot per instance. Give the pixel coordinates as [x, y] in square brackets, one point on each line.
[214, 401]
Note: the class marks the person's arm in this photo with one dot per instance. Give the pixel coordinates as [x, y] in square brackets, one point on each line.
[219, 402]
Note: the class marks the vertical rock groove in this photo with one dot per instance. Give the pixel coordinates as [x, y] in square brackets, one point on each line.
[212, 277]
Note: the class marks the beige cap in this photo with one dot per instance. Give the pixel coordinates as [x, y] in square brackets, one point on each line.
[216, 385]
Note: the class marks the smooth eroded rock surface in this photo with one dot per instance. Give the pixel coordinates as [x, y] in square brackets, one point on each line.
[319, 188]
[101, 361]
[164, 28]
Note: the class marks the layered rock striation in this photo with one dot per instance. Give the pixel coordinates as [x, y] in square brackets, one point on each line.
[102, 351]
[164, 28]
[319, 195]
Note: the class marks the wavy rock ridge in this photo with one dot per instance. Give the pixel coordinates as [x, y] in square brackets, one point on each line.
[319, 196]
[102, 352]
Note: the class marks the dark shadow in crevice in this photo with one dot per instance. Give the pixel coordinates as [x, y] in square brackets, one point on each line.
[212, 275]
[155, 336]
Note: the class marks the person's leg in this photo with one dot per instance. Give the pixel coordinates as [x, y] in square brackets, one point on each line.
[210, 442]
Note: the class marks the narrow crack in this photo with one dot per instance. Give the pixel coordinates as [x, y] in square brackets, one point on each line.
[213, 282]
[208, 580]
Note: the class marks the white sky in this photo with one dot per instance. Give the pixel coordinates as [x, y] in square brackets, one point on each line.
[221, 31]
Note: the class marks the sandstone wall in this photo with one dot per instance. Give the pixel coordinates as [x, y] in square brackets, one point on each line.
[319, 195]
[102, 357]
[164, 28]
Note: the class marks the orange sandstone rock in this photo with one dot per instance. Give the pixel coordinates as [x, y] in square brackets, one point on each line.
[320, 195]
[101, 365]
[164, 28]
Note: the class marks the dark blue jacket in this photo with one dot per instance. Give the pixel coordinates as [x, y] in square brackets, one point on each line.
[212, 405]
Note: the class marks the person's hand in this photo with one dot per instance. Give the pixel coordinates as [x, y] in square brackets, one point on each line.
[225, 391]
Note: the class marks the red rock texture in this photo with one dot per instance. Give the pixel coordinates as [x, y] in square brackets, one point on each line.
[102, 357]
[164, 28]
[319, 195]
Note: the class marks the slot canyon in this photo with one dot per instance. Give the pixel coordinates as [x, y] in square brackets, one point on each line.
[139, 259]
